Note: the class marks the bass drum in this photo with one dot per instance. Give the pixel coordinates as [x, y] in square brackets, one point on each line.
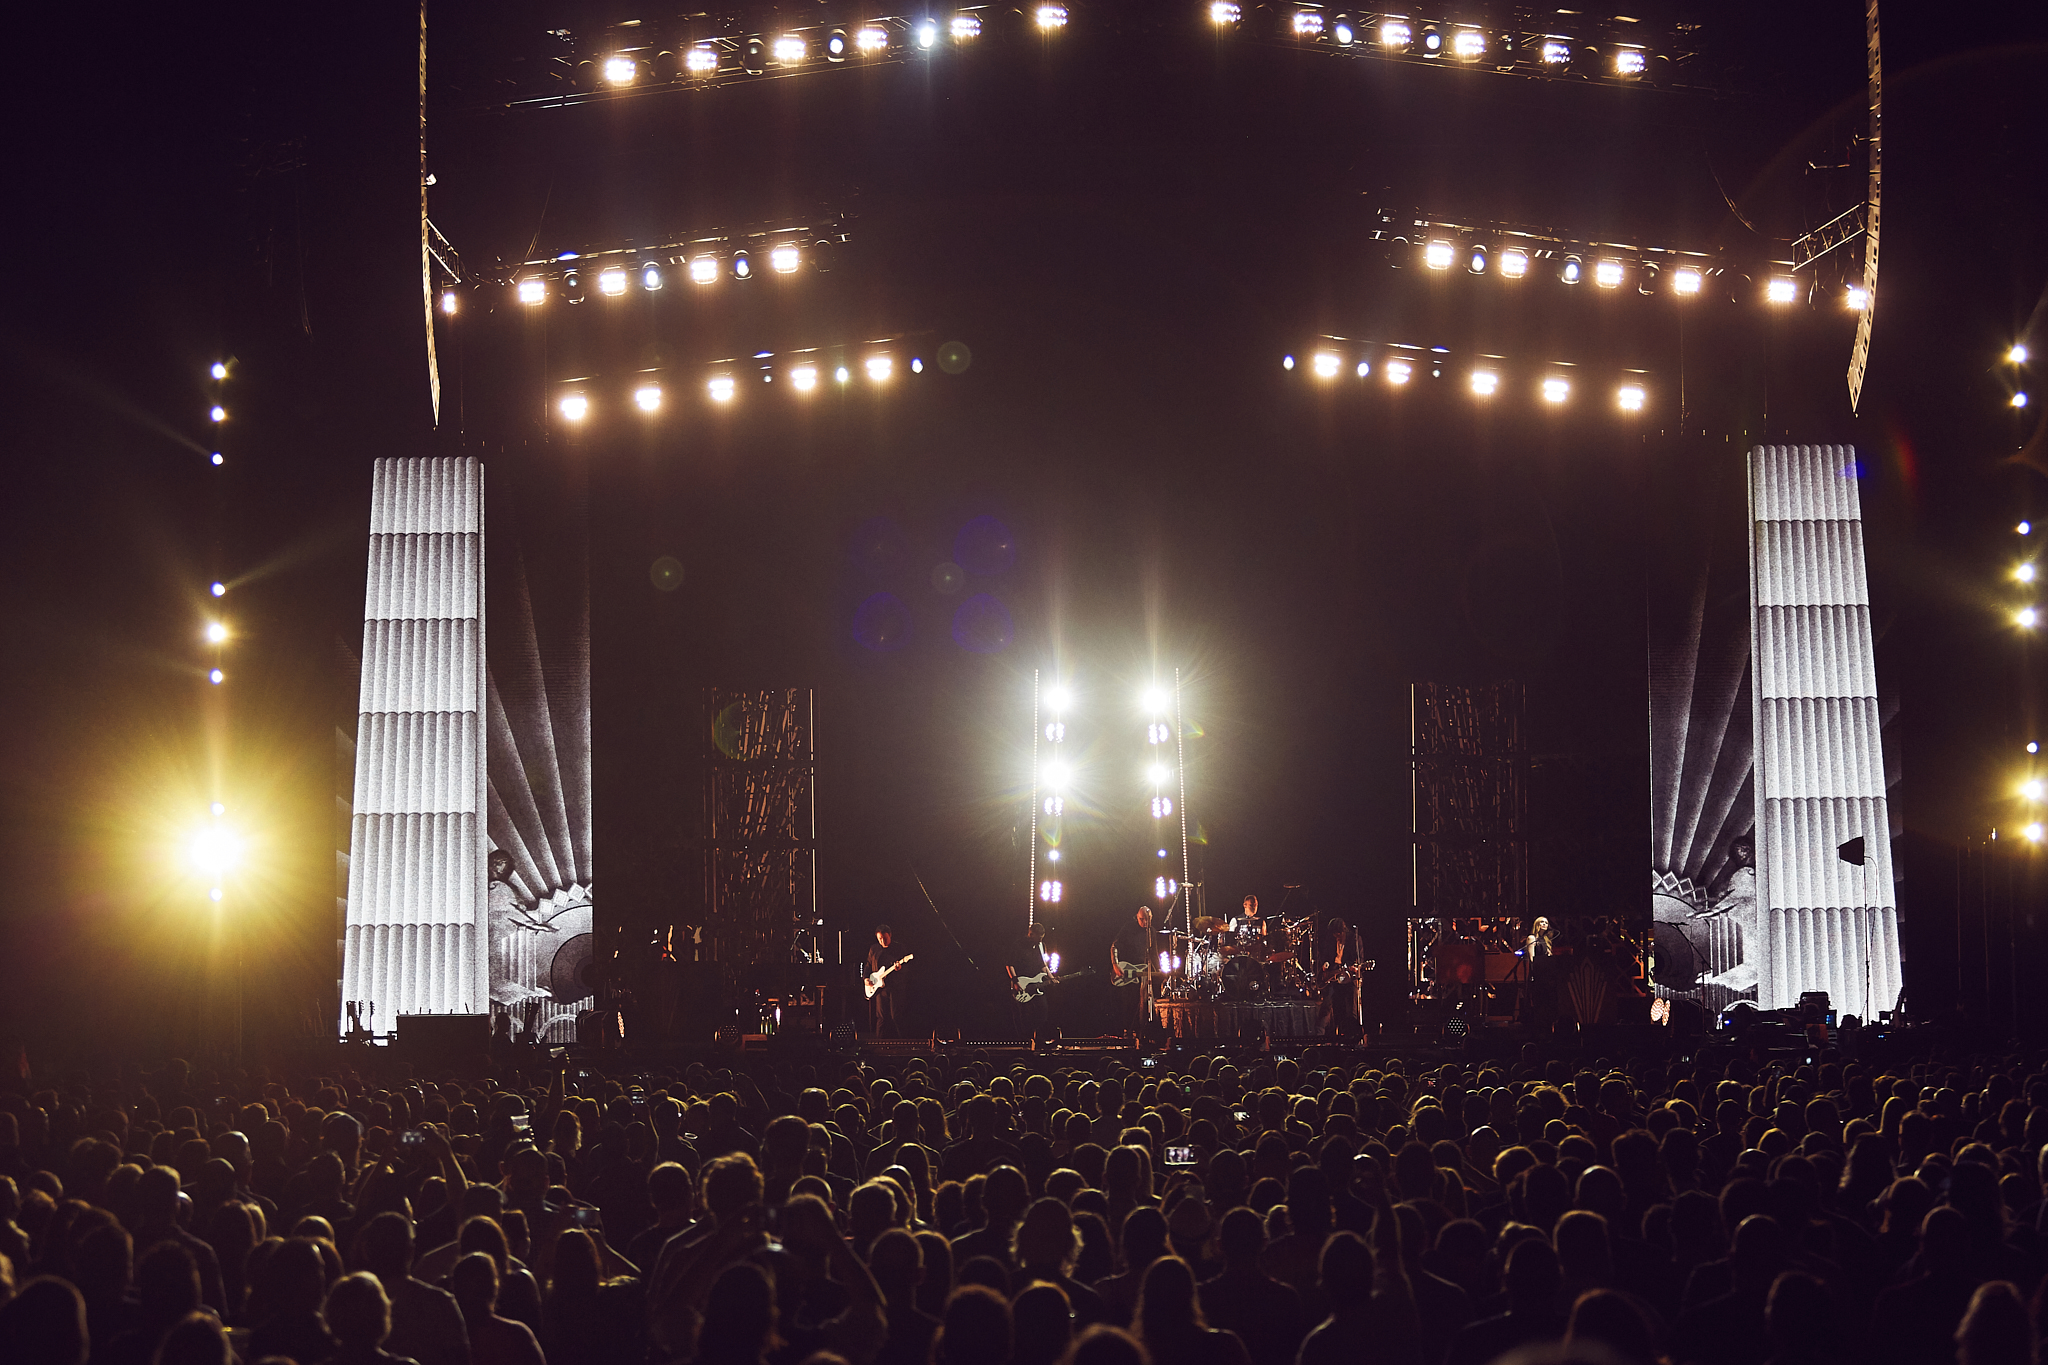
[1244, 978]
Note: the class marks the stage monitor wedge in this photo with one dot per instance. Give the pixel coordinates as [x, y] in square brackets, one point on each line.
[1827, 924]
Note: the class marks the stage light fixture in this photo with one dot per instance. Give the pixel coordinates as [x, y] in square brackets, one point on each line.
[2019, 400]
[1364, 369]
[650, 277]
[216, 633]
[1476, 262]
[218, 413]
[704, 270]
[791, 49]
[1326, 365]
[742, 266]
[966, 26]
[218, 370]
[218, 810]
[448, 301]
[1308, 24]
[216, 677]
[1050, 16]
[721, 388]
[1225, 13]
[1158, 773]
[1630, 61]
[1058, 698]
[1154, 700]
[1468, 44]
[1162, 806]
[533, 291]
[647, 398]
[2034, 789]
[1438, 255]
[2033, 831]
[785, 258]
[611, 283]
[1287, 362]
[702, 60]
[1556, 390]
[879, 368]
[1050, 891]
[1781, 289]
[1556, 52]
[1607, 273]
[2025, 528]
[927, 34]
[1484, 383]
[1344, 33]
[842, 374]
[1432, 41]
[1514, 263]
[1157, 733]
[1056, 776]
[217, 458]
[916, 365]
[2024, 572]
[2027, 617]
[1685, 281]
[805, 377]
[1055, 806]
[1056, 731]
[1399, 370]
[1571, 271]
[620, 70]
[1856, 298]
[1396, 34]
[220, 590]
[871, 41]
[574, 406]
[2016, 356]
[1631, 397]
[1052, 855]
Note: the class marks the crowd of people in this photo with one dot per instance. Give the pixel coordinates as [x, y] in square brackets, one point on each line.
[1715, 1210]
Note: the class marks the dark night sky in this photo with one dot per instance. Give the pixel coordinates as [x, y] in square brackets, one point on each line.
[1129, 232]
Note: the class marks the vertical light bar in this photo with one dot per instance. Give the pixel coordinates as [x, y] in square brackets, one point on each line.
[1180, 773]
[1049, 722]
[1824, 923]
[1031, 880]
[416, 935]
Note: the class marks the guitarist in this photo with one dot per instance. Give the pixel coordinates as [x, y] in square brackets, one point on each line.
[1030, 962]
[885, 1008]
[1131, 955]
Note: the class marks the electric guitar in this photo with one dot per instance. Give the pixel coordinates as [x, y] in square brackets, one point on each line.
[1028, 988]
[1127, 973]
[871, 982]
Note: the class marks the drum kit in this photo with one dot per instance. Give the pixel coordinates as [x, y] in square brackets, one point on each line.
[1241, 960]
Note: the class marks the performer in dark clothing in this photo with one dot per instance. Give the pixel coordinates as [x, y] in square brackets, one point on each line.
[885, 1007]
[1131, 955]
[1337, 973]
[1032, 973]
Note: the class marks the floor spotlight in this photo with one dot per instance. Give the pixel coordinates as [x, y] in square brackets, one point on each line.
[1485, 382]
[574, 406]
[647, 398]
[620, 70]
[1556, 390]
[1631, 397]
[611, 283]
[1781, 289]
[1438, 255]
[533, 291]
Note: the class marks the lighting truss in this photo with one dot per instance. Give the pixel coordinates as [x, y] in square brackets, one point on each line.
[1480, 376]
[792, 376]
[701, 51]
[684, 267]
[1530, 41]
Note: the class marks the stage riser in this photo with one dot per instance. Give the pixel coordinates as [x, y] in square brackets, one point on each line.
[1191, 1019]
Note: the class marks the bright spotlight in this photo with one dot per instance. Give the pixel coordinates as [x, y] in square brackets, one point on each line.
[790, 49]
[1162, 807]
[217, 458]
[1050, 892]
[1051, 16]
[216, 633]
[916, 365]
[1154, 700]
[220, 590]
[1344, 34]
[1287, 362]
[214, 851]
[1326, 365]
[2027, 617]
[805, 377]
[1158, 773]
[1782, 289]
[1630, 61]
[1468, 43]
[1484, 382]
[2033, 832]
[1396, 34]
[1556, 390]
[647, 398]
[575, 407]
[842, 374]
[1556, 52]
[1438, 255]
[1224, 13]
[1571, 270]
[220, 414]
[220, 371]
[1856, 298]
[533, 291]
[1399, 371]
[2025, 528]
[701, 60]
[2034, 789]
[927, 34]
[2024, 572]
[785, 258]
[1476, 263]
[1514, 263]
[218, 809]
[1631, 397]
[1685, 280]
[2016, 356]
[879, 368]
[214, 894]
[1364, 368]
[650, 277]
[448, 301]
[742, 265]
[620, 70]
[1432, 41]
[721, 389]
[966, 26]
[1056, 776]
[871, 40]
[611, 282]
[2019, 400]
[1059, 699]
[1052, 855]
[1607, 274]
[1308, 23]
[704, 270]
[216, 677]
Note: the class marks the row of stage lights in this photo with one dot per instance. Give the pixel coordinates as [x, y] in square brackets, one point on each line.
[649, 274]
[1406, 37]
[1485, 379]
[214, 847]
[1607, 272]
[649, 396]
[1161, 707]
[2033, 790]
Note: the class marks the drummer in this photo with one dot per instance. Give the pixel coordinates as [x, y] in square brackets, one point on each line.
[1273, 930]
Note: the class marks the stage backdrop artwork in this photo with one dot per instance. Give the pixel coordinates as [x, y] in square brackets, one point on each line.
[416, 940]
[470, 866]
[1826, 911]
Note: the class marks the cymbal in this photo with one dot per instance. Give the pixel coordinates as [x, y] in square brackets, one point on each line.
[1207, 924]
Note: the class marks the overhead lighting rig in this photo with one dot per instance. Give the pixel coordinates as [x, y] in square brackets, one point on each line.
[1522, 41]
[1479, 377]
[794, 376]
[1514, 255]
